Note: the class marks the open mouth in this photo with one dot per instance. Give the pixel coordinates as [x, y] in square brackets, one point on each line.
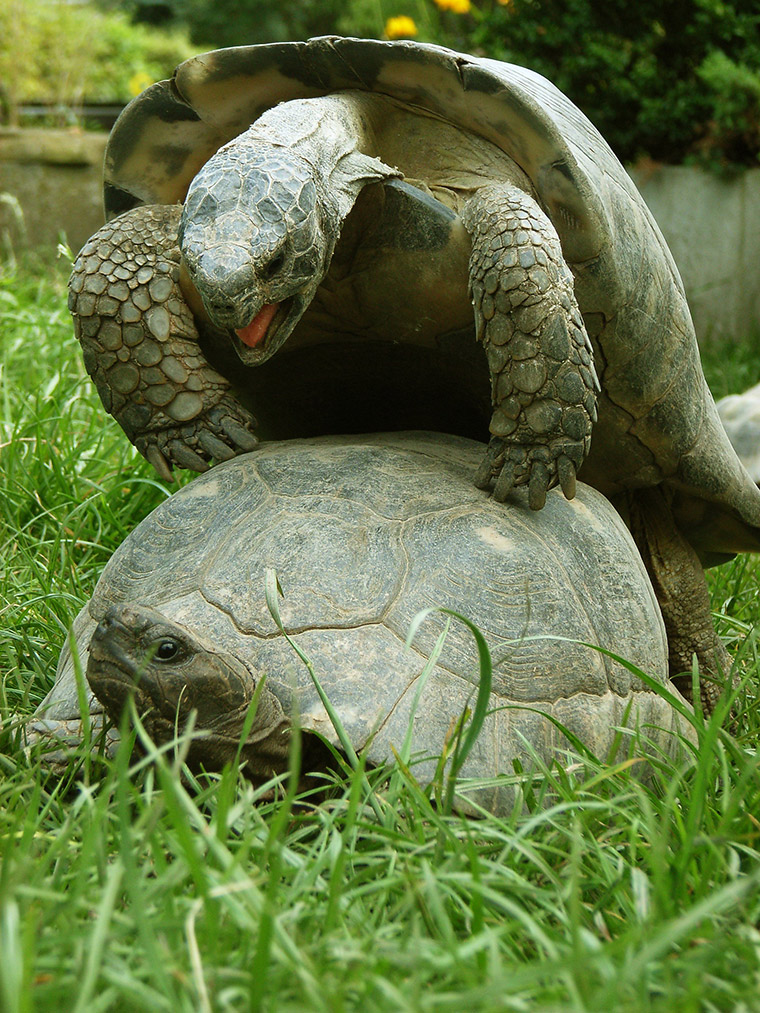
[259, 336]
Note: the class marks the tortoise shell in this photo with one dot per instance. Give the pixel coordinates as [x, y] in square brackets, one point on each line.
[363, 533]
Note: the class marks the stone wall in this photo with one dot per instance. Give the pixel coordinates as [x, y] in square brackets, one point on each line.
[711, 224]
[55, 178]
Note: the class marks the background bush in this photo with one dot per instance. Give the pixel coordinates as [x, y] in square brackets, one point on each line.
[62, 54]
[676, 81]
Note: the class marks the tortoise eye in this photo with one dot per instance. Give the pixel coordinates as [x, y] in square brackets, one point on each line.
[167, 649]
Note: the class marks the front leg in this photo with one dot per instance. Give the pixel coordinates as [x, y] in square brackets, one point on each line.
[140, 346]
[543, 381]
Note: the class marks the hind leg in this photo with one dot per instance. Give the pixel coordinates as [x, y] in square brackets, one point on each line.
[679, 583]
[543, 382]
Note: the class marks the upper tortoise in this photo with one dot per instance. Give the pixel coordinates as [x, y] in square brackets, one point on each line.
[358, 200]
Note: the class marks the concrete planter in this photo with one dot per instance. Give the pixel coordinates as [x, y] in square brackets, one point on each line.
[712, 225]
[55, 178]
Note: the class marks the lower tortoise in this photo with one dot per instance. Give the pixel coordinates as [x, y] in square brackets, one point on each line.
[363, 534]
[348, 235]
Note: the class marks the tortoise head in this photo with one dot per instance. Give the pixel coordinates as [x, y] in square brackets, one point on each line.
[136, 651]
[257, 234]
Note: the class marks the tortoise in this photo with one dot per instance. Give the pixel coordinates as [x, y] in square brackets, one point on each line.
[317, 232]
[740, 415]
[363, 532]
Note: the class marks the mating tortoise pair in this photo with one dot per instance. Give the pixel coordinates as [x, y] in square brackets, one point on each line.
[357, 200]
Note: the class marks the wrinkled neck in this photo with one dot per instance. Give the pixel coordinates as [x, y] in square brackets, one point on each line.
[322, 130]
[334, 135]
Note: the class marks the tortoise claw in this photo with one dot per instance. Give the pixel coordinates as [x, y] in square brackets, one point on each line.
[538, 486]
[566, 474]
[215, 447]
[491, 464]
[505, 482]
[185, 457]
[218, 433]
[484, 473]
[240, 436]
[235, 426]
[538, 467]
[162, 467]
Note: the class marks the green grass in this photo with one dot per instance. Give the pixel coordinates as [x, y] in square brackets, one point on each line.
[135, 890]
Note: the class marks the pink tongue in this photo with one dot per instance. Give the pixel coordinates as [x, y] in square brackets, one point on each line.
[255, 332]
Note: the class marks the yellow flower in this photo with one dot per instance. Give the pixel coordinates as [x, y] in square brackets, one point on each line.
[400, 27]
[455, 6]
[139, 82]
[504, 3]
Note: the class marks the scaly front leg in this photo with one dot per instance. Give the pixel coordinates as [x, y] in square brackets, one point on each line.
[140, 346]
[543, 382]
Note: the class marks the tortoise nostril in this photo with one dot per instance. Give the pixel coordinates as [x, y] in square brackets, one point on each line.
[222, 311]
[274, 266]
[109, 618]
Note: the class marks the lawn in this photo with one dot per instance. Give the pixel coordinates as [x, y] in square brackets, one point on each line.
[129, 888]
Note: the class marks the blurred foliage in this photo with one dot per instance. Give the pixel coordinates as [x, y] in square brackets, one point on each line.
[259, 21]
[61, 53]
[676, 81]
[212, 25]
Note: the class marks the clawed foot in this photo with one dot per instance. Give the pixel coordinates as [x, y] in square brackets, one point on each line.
[57, 739]
[539, 467]
[219, 434]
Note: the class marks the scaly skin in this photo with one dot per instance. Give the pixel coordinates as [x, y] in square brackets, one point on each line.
[541, 362]
[57, 739]
[140, 346]
[679, 583]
